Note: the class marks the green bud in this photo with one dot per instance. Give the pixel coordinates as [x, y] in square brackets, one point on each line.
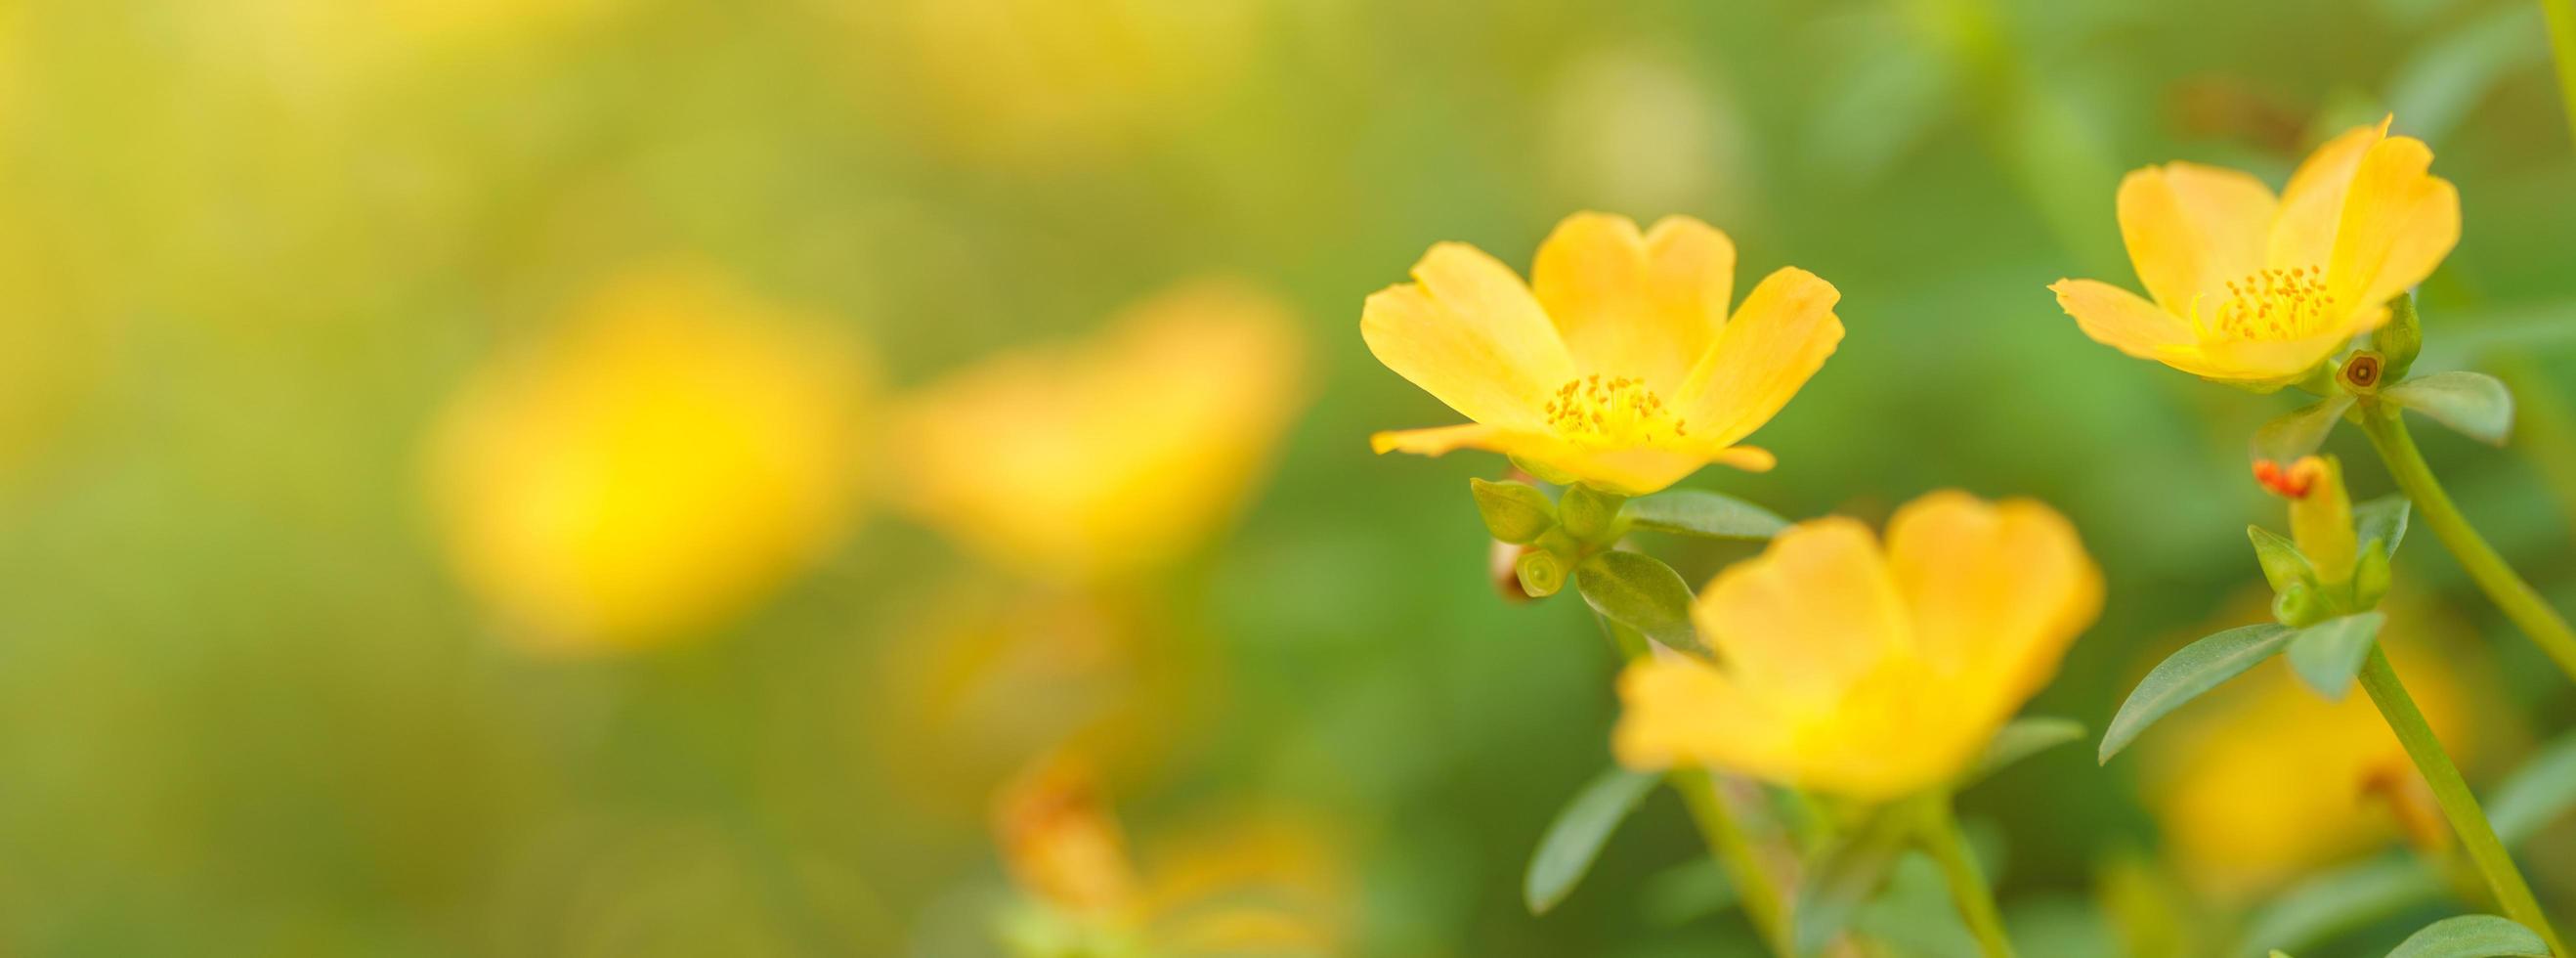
[2298, 606]
[1515, 512]
[1589, 514]
[1541, 572]
[2370, 576]
[2399, 341]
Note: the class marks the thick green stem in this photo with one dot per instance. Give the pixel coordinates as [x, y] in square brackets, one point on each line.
[2459, 805]
[2562, 40]
[2517, 598]
[1968, 889]
[1726, 839]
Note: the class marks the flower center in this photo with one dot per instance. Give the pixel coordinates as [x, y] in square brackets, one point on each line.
[2274, 305]
[1612, 411]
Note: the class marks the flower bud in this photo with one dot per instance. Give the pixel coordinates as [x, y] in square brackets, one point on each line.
[2297, 605]
[1514, 512]
[2399, 341]
[1541, 573]
[2320, 512]
[1590, 515]
[2370, 576]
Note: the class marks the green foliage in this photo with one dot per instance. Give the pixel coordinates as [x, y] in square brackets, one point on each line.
[2300, 431]
[2540, 792]
[2473, 404]
[2283, 564]
[2473, 936]
[1515, 512]
[2199, 667]
[1640, 592]
[1573, 841]
[1847, 875]
[2328, 655]
[2021, 739]
[1698, 512]
[2382, 520]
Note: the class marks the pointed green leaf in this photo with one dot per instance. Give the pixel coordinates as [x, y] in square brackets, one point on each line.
[2473, 936]
[1684, 893]
[2474, 404]
[2022, 739]
[2199, 667]
[1515, 512]
[2336, 902]
[2281, 559]
[2329, 654]
[2301, 431]
[2383, 519]
[2538, 793]
[1846, 877]
[1635, 590]
[1566, 851]
[1698, 512]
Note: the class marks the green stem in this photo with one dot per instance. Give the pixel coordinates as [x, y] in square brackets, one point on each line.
[1968, 889]
[1727, 842]
[2459, 805]
[2517, 598]
[2562, 39]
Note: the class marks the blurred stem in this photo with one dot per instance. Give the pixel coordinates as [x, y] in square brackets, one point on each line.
[1968, 888]
[1717, 823]
[2384, 424]
[2562, 41]
[2459, 805]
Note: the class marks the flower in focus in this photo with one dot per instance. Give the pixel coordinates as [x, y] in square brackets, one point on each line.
[2266, 781]
[1869, 672]
[1257, 883]
[2258, 290]
[1616, 365]
[1089, 462]
[673, 452]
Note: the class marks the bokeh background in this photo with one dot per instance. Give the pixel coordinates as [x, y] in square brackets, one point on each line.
[643, 477]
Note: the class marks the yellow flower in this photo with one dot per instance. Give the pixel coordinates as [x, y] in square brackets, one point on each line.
[676, 450]
[2262, 780]
[2258, 290]
[1616, 365]
[1113, 457]
[1868, 672]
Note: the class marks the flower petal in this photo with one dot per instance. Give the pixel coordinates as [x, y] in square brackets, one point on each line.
[1469, 333]
[2120, 319]
[1997, 592]
[2282, 361]
[2398, 223]
[1678, 710]
[2191, 228]
[1778, 338]
[1630, 305]
[1809, 616]
[2312, 205]
[1438, 440]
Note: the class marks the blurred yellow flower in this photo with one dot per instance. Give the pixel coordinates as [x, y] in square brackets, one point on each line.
[2263, 780]
[1616, 365]
[2259, 290]
[1868, 672]
[1113, 457]
[1256, 882]
[673, 452]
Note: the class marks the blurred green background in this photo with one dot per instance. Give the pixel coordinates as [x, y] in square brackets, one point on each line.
[250, 250]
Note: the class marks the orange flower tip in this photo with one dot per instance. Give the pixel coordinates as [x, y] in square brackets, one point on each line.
[2294, 482]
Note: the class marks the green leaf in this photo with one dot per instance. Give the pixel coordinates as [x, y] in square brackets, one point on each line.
[2281, 559]
[2474, 404]
[1684, 893]
[2382, 519]
[2301, 431]
[1639, 592]
[2329, 654]
[1846, 877]
[2199, 667]
[2539, 792]
[2022, 739]
[1574, 839]
[1515, 512]
[1698, 512]
[2473, 936]
[2323, 906]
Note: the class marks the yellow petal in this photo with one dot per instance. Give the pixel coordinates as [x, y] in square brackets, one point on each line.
[1469, 332]
[1997, 593]
[1438, 440]
[1677, 710]
[2120, 319]
[1778, 338]
[2281, 361]
[2191, 228]
[1809, 616]
[2398, 223]
[2312, 205]
[1634, 305]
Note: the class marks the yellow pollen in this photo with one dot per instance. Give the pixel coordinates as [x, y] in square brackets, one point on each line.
[2273, 305]
[1614, 411]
